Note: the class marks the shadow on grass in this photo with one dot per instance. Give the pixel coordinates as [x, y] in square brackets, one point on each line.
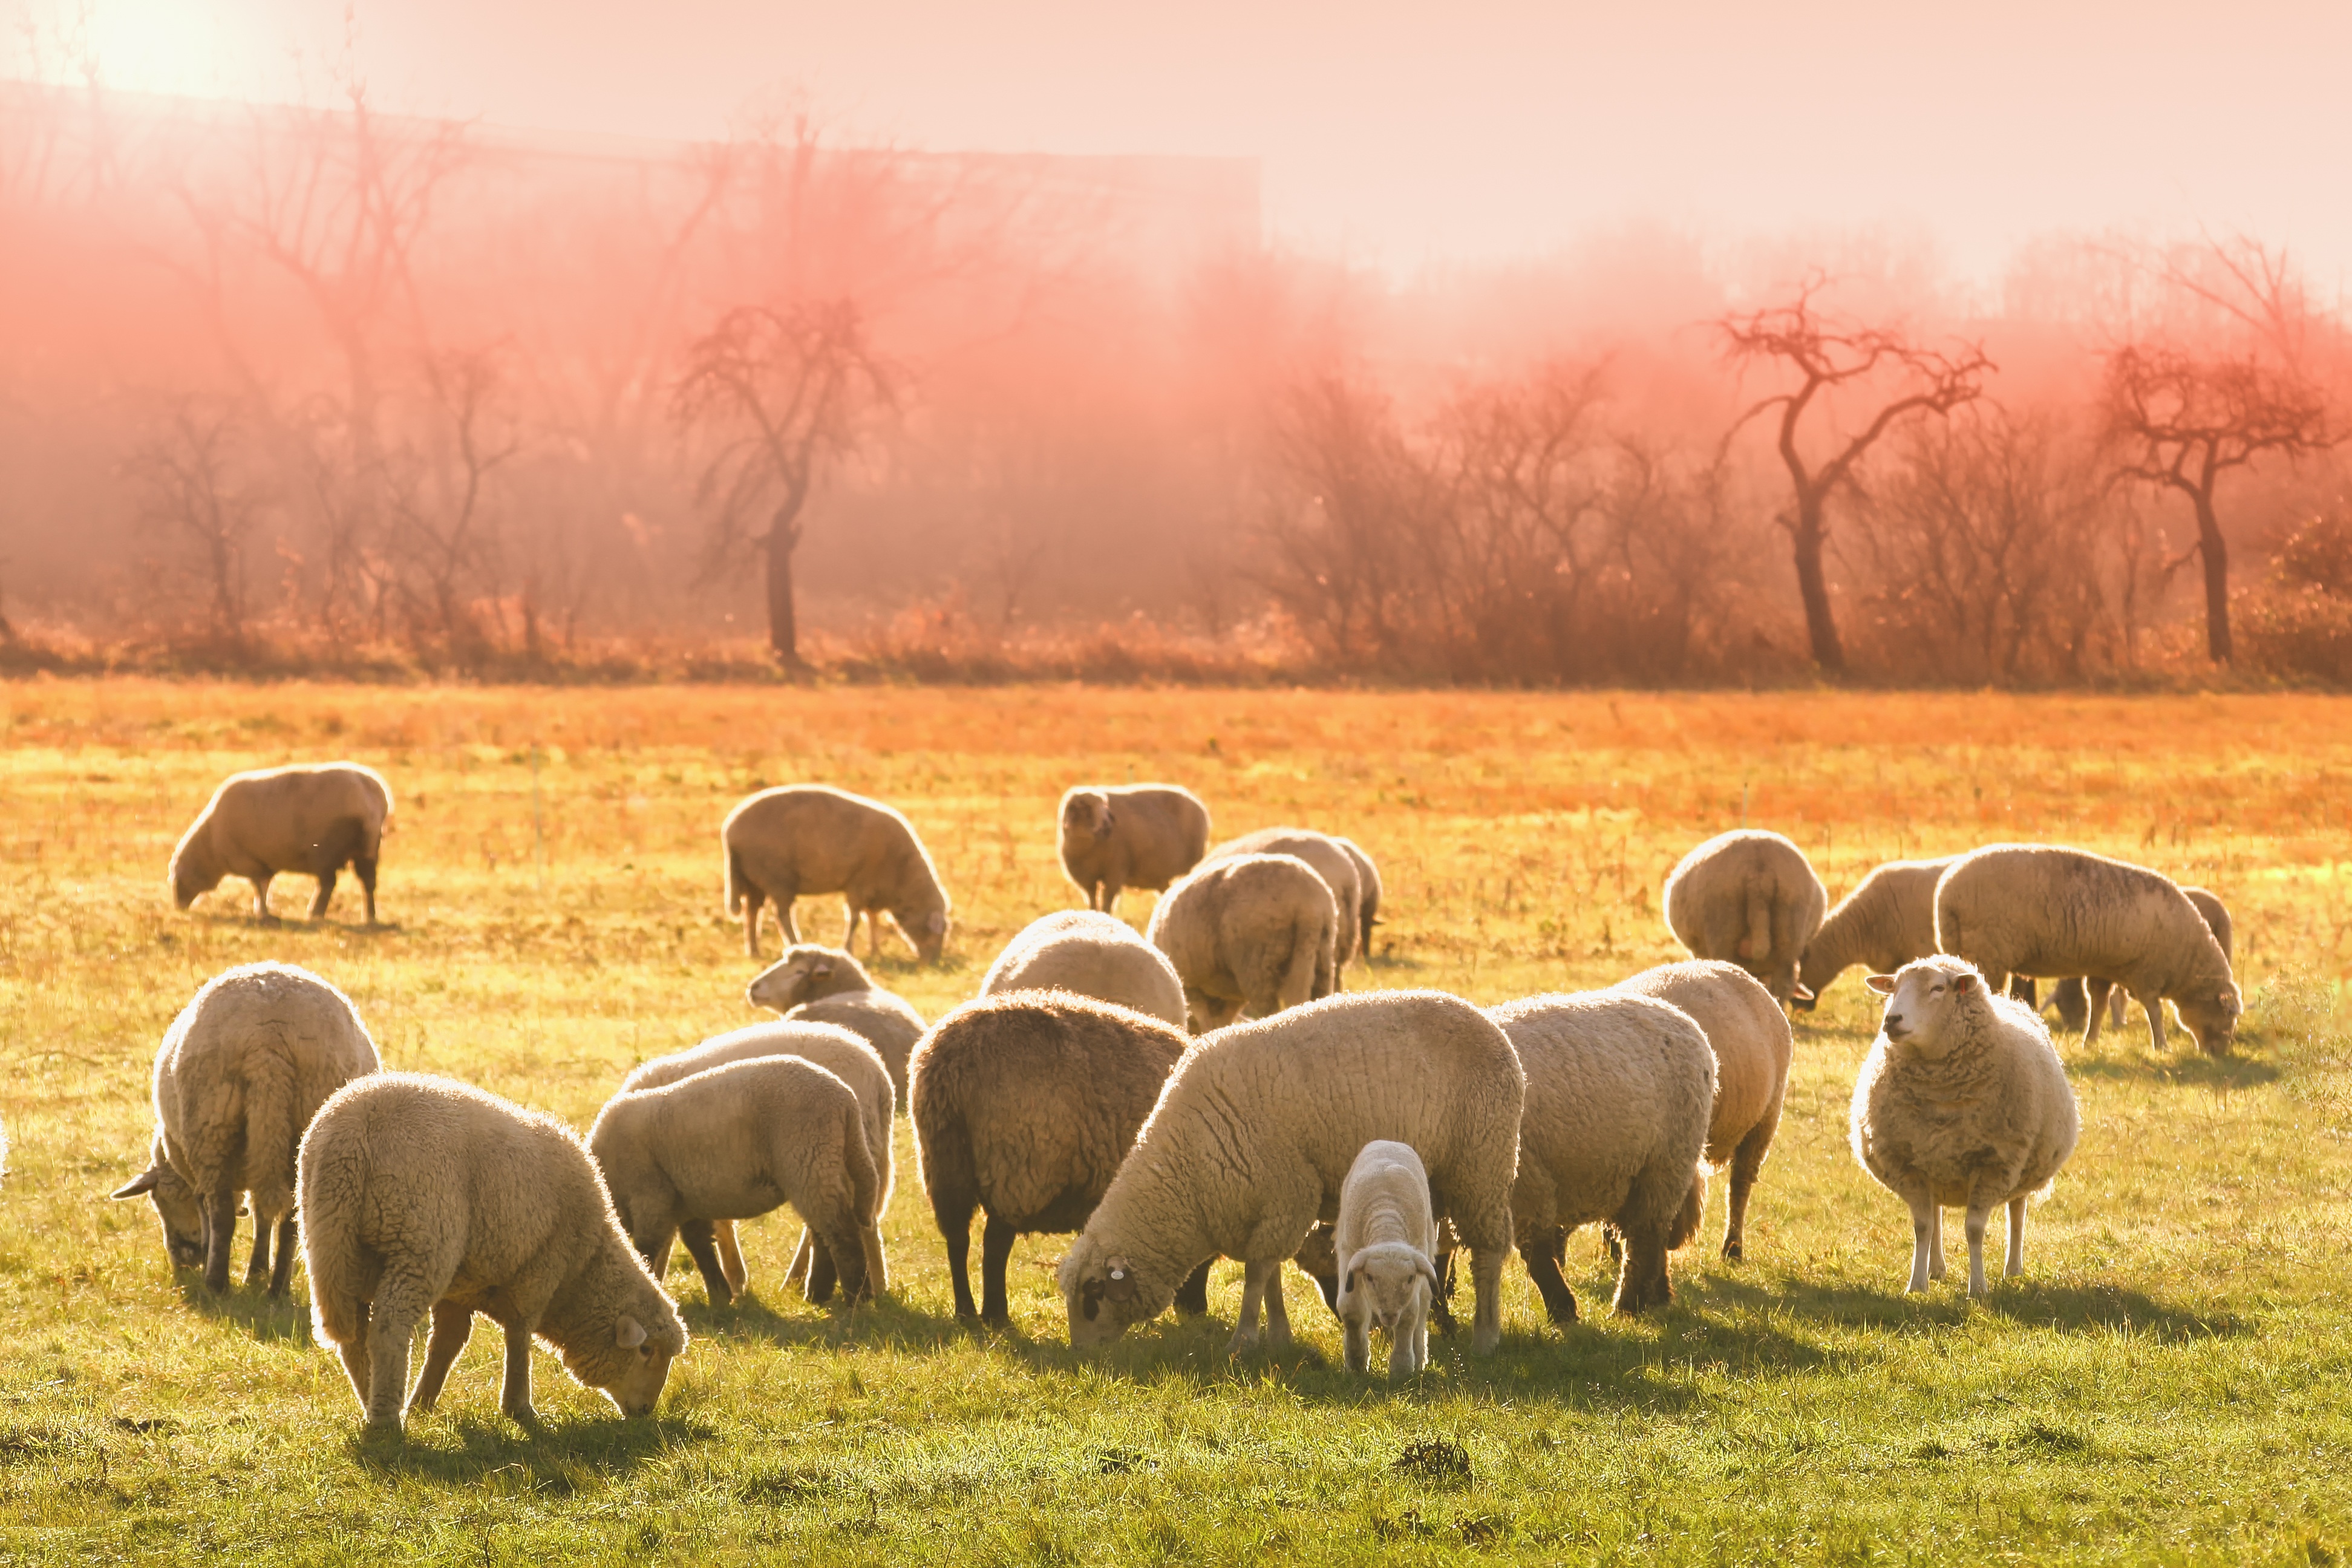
[553, 1461]
[2191, 1069]
[2078, 1309]
[247, 1307]
[800, 1326]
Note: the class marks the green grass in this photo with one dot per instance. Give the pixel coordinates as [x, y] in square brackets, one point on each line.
[2168, 1384]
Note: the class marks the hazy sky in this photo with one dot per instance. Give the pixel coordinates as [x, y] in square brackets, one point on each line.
[1401, 133]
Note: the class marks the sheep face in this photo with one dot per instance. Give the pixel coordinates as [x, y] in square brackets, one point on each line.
[2213, 1018]
[1086, 814]
[176, 1206]
[792, 980]
[192, 878]
[1103, 1295]
[1384, 1282]
[1922, 999]
[631, 1369]
[929, 931]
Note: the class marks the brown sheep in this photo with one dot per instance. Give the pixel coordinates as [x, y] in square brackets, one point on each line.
[804, 840]
[312, 818]
[1135, 835]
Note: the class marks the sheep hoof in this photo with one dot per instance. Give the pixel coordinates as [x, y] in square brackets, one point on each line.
[1732, 1252]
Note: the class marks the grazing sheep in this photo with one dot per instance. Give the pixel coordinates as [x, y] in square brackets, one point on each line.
[803, 839]
[1252, 1138]
[1619, 1087]
[1886, 921]
[420, 1194]
[1962, 1103]
[840, 1052]
[1749, 1036]
[1253, 932]
[1368, 900]
[733, 1142]
[1328, 859]
[1024, 1106]
[239, 1075]
[2047, 911]
[1089, 954]
[1135, 835]
[2072, 997]
[814, 985]
[313, 818]
[1386, 1237]
[1751, 898]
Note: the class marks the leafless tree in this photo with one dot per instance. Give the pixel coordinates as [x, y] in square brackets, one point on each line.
[1830, 359]
[438, 494]
[187, 469]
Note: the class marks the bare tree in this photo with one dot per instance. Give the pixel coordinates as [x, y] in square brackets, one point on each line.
[1829, 358]
[788, 392]
[438, 498]
[188, 469]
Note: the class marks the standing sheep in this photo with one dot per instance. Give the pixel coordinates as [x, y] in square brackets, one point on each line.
[1749, 1036]
[1384, 1239]
[733, 1142]
[1024, 1106]
[804, 840]
[240, 1073]
[1620, 1089]
[1253, 932]
[1252, 1138]
[1328, 859]
[1751, 898]
[1962, 1103]
[313, 818]
[2071, 996]
[2045, 910]
[812, 985]
[1137, 836]
[1089, 954]
[422, 1195]
[1886, 921]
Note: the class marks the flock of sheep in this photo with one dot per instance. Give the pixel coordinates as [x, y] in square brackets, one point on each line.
[1106, 1084]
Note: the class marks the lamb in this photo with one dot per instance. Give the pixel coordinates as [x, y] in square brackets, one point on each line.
[1024, 1106]
[420, 1194]
[1963, 1102]
[732, 1143]
[1089, 954]
[1329, 860]
[1253, 1137]
[1886, 921]
[812, 838]
[307, 818]
[239, 1075]
[1255, 930]
[1749, 1036]
[1386, 1237]
[2046, 910]
[1368, 900]
[2072, 998]
[1748, 897]
[1620, 1090]
[812, 985]
[1137, 836]
[840, 1052]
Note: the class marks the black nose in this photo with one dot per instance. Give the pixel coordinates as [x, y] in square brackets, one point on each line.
[1893, 1018]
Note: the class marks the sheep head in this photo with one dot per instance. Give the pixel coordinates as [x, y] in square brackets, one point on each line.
[1086, 814]
[629, 1363]
[2211, 1015]
[176, 1204]
[1381, 1283]
[1922, 1000]
[805, 973]
[1105, 1294]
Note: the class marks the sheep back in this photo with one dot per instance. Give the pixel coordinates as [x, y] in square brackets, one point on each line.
[883, 1018]
[1886, 921]
[1751, 898]
[1252, 931]
[1089, 954]
[1749, 1035]
[1328, 859]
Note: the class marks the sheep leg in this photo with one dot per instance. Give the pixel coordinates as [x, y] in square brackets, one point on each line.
[2098, 995]
[1409, 1345]
[2154, 1007]
[995, 1253]
[366, 871]
[2016, 1263]
[1356, 1345]
[452, 1326]
[1935, 1241]
[261, 897]
[753, 901]
[1192, 1296]
[353, 1354]
[796, 1273]
[257, 1268]
[1747, 1160]
[841, 1259]
[1278, 1317]
[1642, 1283]
[1441, 1305]
[958, 1238]
[703, 1247]
[822, 1273]
[730, 1255]
[281, 1275]
[1923, 1244]
[399, 1302]
[1543, 1268]
[326, 894]
[1255, 1273]
[1976, 1226]
[2116, 1007]
[220, 1235]
[1486, 1317]
[514, 1395]
[1110, 892]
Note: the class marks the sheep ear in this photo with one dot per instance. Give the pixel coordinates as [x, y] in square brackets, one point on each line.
[144, 1181]
[1802, 992]
[1882, 983]
[1963, 984]
[1428, 1272]
[631, 1335]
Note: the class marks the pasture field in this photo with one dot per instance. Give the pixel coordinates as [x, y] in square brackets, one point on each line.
[2168, 1384]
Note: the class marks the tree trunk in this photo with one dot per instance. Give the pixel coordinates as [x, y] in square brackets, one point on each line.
[783, 627]
[1820, 626]
[2216, 552]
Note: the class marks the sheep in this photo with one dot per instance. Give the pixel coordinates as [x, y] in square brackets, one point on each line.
[812, 838]
[1255, 930]
[1089, 954]
[1749, 1036]
[421, 1193]
[1886, 921]
[1024, 1106]
[2046, 909]
[2071, 995]
[840, 1052]
[1328, 859]
[1368, 900]
[732, 1143]
[1137, 835]
[1386, 1236]
[1748, 897]
[1253, 1137]
[812, 985]
[240, 1073]
[1962, 1101]
[309, 817]
[1619, 1089]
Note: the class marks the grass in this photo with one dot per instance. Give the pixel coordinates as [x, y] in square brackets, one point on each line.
[2168, 1384]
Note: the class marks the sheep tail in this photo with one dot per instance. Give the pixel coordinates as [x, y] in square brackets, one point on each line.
[272, 1126]
[865, 1194]
[1757, 945]
[735, 881]
[329, 1251]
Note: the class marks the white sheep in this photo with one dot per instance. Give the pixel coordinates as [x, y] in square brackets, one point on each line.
[1113, 838]
[312, 818]
[815, 984]
[421, 1194]
[241, 1071]
[804, 840]
[1749, 898]
[1331, 859]
[2071, 995]
[1962, 1103]
[1367, 895]
[1384, 1240]
[1087, 953]
[2045, 910]
[1254, 931]
[1252, 1138]
[1886, 921]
